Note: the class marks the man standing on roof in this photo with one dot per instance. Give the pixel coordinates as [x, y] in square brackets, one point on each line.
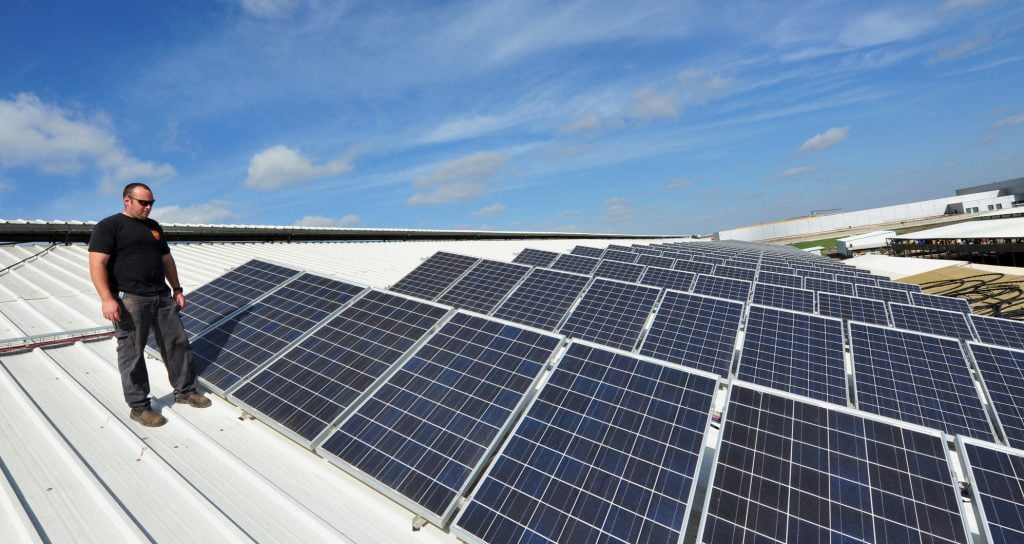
[128, 261]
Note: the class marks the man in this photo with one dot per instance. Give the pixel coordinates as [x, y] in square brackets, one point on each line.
[128, 261]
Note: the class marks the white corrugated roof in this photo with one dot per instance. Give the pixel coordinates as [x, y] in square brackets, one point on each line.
[75, 468]
[1011, 227]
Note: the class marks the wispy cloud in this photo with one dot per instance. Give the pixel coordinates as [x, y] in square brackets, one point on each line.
[825, 140]
[278, 166]
[54, 140]
[489, 211]
[959, 50]
[459, 179]
[569, 213]
[215, 211]
[1009, 121]
[884, 26]
[470, 127]
[587, 122]
[616, 210]
[679, 183]
[267, 9]
[324, 221]
[795, 171]
[707, 193]
[959, 4]
[649, 104]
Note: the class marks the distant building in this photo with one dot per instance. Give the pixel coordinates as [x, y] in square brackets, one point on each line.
[861, 243]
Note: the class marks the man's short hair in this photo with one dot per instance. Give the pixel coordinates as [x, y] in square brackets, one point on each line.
[131, 186]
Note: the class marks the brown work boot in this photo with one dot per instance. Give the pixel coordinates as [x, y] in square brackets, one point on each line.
[193, 399]
[147, 417]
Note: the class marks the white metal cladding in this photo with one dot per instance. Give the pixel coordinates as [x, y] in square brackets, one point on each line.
[1010, 227]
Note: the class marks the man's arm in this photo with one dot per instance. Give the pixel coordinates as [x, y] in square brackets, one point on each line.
[100, 280]
[171, 271]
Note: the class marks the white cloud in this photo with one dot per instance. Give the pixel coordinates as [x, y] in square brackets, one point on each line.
[1009, 121]
[267, 9]
[830, 138]
[278, 166]
[469, 127]
[679, 183]
[585, 123]
[958, 50]
[6, 185]
[884, 26]
[897, 173]
[957, 4]
[459, 179]
[489, 211]
[648, 104]
[57, 141]
[951, 164]
[569, 213]
[323, 221]
[796, 171]
[215, 211]
[616, 210]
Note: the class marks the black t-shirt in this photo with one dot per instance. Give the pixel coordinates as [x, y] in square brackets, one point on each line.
[136, 248]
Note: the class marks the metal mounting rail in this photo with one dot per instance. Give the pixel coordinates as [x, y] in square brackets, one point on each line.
[26, 343]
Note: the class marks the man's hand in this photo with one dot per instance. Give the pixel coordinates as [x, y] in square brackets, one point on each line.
[180, 299]
[111, 309]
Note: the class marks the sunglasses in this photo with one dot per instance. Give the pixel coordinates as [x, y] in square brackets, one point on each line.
[143, 203]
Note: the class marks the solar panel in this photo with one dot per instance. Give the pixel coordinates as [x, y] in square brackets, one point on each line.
[695, 331]
[784, 280]
[484, 286]
[883, 294]
[668, 279]
[652, 260]
[535, 257]
[314, 382]
[952, 304]
[620, 256]
[725, 271]
[1002, 372]
[796, 352]
[828, 286]
[716, 286]
[910, 287]
[575, 263]
[694, 266]
[543, 298]
[702, 258]
[815, 274]
[612, 313]
[424, 433]
[855, 280]
[852, 308]
[796, 470]
[434, 275]
[917, 378]
[614, 247]
[788, 298]
[236, 347]
[617, 270]
[996, 474]
[587, 251]
[931, 320]
[607, 452]
[999, 331]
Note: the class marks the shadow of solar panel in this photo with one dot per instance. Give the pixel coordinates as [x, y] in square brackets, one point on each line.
[952, 304]
[587, 251]
[237, 346]
[797, 470]
[314, 382]
[618, 270]
[576, 264]
[882, 294]
[789, 298]
[796, 352]
[999, 331]
[535, 257]
[543, 298]
[1002, 372]
[694, 266]
[910, 287]
[607, 452]
[423, 435]
[716, 286]
[484, 286]
[434, 275]
[828, 286]
[695, 331]
[852, 308]
[611, 313]
[668, 279]
[931, 321]
[996, 475]
[620, 256]
[782, 280]
[917, 378]
[654, 260]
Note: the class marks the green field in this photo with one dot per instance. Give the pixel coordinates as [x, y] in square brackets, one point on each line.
[828, 243]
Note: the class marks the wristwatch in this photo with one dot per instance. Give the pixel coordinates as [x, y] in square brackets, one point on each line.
[177, 290]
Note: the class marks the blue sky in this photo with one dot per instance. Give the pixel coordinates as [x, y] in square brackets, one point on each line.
[642, 117]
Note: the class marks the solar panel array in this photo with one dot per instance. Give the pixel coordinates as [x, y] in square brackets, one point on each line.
[612, 313]
[1002, 371]
[434, 275]
[694, 330]
[997, 486]
[543, 298]
[484, 286]
[789, 298]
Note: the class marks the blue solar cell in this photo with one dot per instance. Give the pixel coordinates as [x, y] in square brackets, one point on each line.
[618, 270]
[575, 263]
[828, 286]
[931, 321]
[607, 452]
[614, 247]
[535, 257]
[722, 287]
[313, 383]
[816, 274]
[423, 435]
[855, 280]
[434, 275]
[695, 331]
[611, 313]
[1002, 372]
[236, 347]
[705, 258]
[587, 251]
[996, 474]
[653, 260]
[796, 352]
[909, 287]
[883, 294]
[917, 378]
[784, 280]
[942, 303]
[789, 298]
[543, 298]
[725, 271]
[668, 279]
[852, 308]
[484, 286]
[620, 256]
[778, 269]
[795, 470]
[694, 266]
[999, 331]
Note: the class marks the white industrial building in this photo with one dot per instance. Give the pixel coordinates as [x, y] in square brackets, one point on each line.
[859, 243]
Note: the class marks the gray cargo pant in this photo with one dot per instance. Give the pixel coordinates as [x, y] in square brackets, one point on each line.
[138, 314]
